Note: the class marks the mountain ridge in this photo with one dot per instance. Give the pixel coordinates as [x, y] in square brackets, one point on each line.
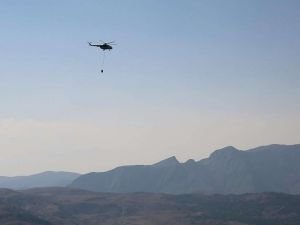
[273, 168]
[43, 179]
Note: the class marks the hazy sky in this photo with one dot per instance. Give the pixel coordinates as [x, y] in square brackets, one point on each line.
[185, 78]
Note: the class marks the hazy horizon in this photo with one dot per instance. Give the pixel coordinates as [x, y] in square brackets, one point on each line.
[185, 78]
[133, 164]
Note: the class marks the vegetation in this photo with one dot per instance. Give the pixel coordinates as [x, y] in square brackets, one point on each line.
[47, 206]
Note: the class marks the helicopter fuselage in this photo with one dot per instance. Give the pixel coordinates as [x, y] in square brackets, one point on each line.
[103, 47]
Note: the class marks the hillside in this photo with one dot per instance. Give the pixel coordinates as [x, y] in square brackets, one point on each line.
[52, 206]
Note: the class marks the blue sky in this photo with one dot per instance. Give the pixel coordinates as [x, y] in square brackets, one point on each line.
[190, 69]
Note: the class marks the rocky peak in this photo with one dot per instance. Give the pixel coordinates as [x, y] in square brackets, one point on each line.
[226, 152]
[172, 161]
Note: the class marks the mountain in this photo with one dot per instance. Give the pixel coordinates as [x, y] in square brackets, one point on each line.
[52, 206]
[45, 179]
[272, 168]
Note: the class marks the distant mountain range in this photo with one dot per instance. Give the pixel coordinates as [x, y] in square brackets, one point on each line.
[45, 179]
[63, 206]
[273, 168]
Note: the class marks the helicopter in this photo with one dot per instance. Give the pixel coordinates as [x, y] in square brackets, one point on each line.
[104, 46]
